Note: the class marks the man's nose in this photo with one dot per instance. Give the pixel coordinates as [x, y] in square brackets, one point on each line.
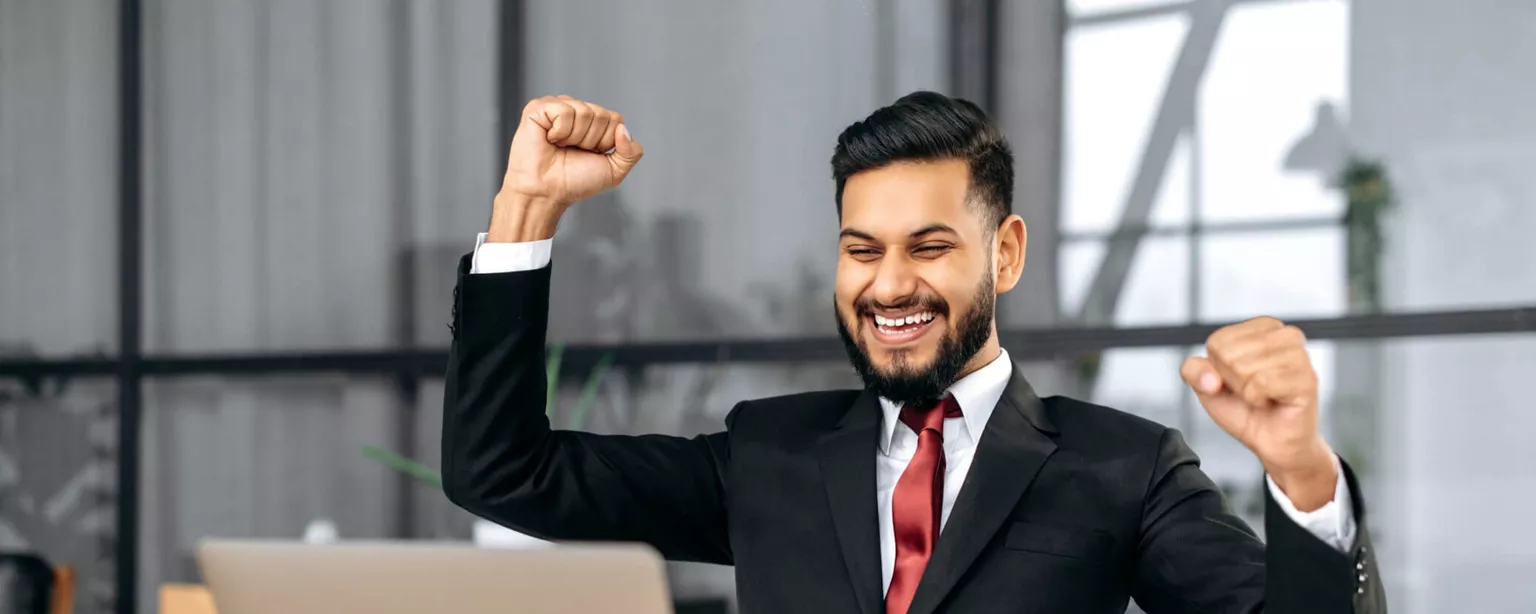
[895, 282]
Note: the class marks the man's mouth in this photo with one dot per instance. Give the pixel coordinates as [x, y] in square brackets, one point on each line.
[901, 328]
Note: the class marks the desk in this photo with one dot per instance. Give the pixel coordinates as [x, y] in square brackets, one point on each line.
[185, 599]
[195, 599]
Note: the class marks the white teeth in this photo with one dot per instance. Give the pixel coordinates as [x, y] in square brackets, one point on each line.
[882, 321]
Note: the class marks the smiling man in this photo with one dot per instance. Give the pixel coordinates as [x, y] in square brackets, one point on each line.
[945, 484]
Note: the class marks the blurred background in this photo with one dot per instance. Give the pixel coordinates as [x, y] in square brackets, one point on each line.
[228, 233]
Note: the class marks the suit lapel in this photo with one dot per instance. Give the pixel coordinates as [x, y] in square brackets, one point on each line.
[847, 457]
[1013, 446]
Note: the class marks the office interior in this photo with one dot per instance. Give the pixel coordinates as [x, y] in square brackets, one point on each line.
[229, 233]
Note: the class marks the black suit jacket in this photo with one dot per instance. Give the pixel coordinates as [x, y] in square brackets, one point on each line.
[1068, 506]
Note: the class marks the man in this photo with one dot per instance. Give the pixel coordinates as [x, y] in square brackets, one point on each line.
[946, 484]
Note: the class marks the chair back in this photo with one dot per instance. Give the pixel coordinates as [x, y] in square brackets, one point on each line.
[63, 590]
[26, 584]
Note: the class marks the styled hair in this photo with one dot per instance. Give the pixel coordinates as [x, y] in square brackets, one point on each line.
[927, 127]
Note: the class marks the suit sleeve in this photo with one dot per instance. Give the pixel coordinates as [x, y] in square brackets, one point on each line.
[1308, 575]
[501, 461]
[1195, 555]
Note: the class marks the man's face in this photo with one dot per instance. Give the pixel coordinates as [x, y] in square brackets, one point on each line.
[915, 279]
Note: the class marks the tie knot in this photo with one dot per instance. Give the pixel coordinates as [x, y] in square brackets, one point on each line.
[930, 415]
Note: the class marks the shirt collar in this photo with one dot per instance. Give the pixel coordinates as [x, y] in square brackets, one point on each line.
[977, 394]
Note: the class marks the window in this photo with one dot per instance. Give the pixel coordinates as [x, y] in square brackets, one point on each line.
[1228, 129]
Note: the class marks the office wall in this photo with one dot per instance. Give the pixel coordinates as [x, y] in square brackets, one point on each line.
[1029, 105]
[1439, 93]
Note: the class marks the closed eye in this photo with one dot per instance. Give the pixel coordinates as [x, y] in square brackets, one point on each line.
[862, 253]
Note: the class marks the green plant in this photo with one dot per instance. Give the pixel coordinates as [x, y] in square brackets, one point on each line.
[412, 468]
[589, 389]
[1370, 196]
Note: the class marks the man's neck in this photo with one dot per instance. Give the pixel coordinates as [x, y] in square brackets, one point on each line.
[983, 357]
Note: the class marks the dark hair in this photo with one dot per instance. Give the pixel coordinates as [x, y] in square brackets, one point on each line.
[928, 126]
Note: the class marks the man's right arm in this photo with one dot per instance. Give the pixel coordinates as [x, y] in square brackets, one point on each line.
[500, 458]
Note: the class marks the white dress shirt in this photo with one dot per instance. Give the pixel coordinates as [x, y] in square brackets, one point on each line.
[977, 394]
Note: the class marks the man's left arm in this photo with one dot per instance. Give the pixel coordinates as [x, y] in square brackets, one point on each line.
[1323, 560]
[1258, 384]
[1195, 555]
[1334, 522]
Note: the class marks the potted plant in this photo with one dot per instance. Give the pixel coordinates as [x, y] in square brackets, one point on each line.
[485, 532]
[1369, 195]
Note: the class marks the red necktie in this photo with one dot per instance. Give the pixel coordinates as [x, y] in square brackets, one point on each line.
[918, 501]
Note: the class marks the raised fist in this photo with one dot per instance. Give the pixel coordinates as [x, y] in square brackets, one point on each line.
[1258, 384]
[565, 150]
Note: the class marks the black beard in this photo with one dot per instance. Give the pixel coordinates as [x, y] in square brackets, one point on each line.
[908, 384]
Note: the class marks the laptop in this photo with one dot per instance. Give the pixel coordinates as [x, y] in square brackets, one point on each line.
[271, 577]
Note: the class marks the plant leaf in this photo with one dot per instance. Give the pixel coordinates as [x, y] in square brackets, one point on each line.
[404, 465]
[552, 375]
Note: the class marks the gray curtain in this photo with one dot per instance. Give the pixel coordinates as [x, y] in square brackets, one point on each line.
[58, 202]
[58, 177]
[314, 169]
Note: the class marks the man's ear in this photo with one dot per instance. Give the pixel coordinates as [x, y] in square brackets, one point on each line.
[1008, 255]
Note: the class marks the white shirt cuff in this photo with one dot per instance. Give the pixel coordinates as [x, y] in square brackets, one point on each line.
[509, 257]
[1334, 522]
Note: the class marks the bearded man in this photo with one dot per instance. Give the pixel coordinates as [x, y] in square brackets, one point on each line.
[945, 484]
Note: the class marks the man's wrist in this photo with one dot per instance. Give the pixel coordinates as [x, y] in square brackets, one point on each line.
[1311, 482]
[517, 218]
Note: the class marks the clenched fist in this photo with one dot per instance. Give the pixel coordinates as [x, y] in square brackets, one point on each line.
[1258, 384]
[565, 150]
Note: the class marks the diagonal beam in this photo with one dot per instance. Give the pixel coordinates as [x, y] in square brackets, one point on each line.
[1175, 114]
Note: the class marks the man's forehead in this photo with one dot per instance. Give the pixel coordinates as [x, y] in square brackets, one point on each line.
[893, 219]
[943, 179]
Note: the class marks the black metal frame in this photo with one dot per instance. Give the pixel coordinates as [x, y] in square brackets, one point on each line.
[130, 381]
[974, 51]
[576, 360]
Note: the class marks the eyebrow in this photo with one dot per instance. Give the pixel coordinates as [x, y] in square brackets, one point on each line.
[926, 230]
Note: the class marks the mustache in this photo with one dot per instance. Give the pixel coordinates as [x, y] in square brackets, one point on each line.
[866, 306]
